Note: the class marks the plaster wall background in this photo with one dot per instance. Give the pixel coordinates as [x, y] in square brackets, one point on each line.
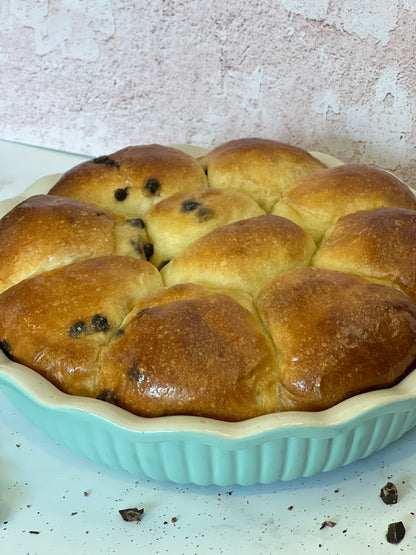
[92, 76]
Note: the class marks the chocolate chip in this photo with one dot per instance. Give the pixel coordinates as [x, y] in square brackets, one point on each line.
[148, 250]
[389, 494]
[120, 194]
[107, 161]
[100, 323]
[130, 515]
[5, 347]
[395, 532]
[152, 185]
[136, 374]
[205, 213]
[143, 312]
[189, 205]
[136, 222]
[79, 329]
[109, 396]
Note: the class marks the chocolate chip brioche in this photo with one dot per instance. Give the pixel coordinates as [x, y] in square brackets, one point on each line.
[251, 280]
[44, 232]
[132, 179]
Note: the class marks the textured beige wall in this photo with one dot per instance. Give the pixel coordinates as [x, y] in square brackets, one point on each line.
[91, 76]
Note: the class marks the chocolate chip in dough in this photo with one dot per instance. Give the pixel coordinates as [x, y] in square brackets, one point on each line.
[120, 194]
[189, 205]
[100, 323]
[395, 532]
[132, 514]
[136, 374]
[152, 185]
[107, 161]
[79, 329]
[109, 396]
[5, 347]
[148, 250]
[205, 213]
[389, 494]
[136, 222]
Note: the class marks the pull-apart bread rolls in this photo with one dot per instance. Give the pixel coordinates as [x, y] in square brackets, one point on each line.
[249, 281]
[59, 322]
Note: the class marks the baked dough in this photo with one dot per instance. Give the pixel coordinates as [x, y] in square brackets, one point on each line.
[242, 255]
[380, 245]
[270, 284]
[132, 179]
[181, 219]
[261, 168]
[317, 200]
[44, 232]
[336, 334]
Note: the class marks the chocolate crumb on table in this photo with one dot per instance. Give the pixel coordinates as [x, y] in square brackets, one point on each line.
[326, 523]
[395, 532]
[131, 514]
[389, 494]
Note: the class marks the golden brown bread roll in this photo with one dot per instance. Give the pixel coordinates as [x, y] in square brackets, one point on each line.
[336, 335]
[316, 201]
[187, 350]
[131, 180]
[261, 168]
[242, 255]
[45, 232]
[177, 221]
[380, 244]
[60, 321]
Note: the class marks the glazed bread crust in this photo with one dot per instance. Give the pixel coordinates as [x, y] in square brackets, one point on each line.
[336, 334]
[192, 351]
[379, 245]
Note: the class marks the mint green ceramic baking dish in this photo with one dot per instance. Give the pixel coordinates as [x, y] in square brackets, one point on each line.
[186, 449]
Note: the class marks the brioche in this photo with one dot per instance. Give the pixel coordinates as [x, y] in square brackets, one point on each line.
[131, 180]
[242, 255]
[316, 201]
[68, 316]
[380, 245]
[44, 232]
[179, 220]
[261, 168]
[248, 281]
[336, 334]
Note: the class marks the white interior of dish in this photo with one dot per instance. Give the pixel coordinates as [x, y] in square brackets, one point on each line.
[47, 394]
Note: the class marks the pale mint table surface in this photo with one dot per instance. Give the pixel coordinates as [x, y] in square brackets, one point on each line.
[52, 500]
